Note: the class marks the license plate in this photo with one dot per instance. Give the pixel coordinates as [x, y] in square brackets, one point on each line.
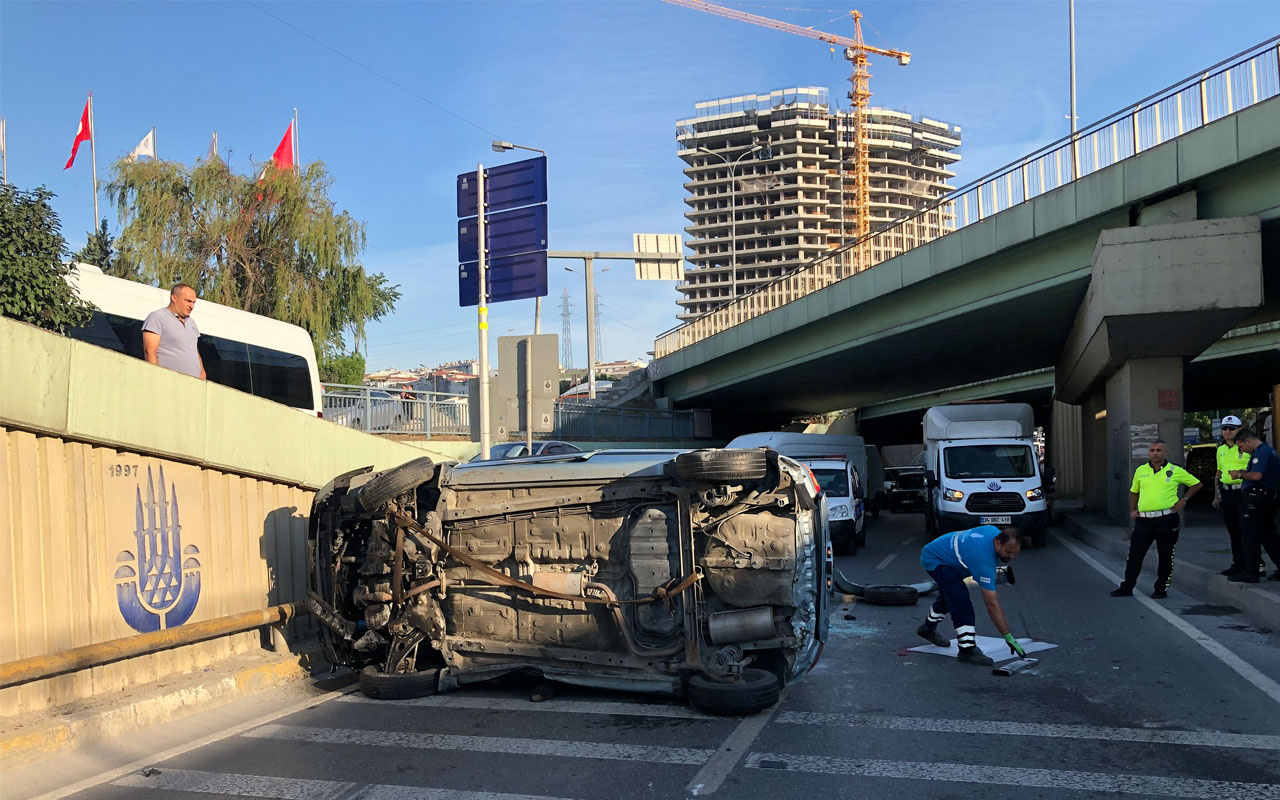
[996, 520]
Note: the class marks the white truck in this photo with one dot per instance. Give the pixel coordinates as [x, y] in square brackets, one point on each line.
[981, 469]
[840, 465]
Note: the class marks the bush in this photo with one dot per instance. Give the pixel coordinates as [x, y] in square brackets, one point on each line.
[33, 279]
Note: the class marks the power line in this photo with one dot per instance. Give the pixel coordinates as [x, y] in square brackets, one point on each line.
[371, 70]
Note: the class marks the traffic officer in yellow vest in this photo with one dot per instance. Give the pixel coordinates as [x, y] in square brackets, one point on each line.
[1227, 492]
[1154, 507]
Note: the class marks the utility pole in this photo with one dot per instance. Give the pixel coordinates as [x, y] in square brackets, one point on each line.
[566, 333]
[595, 310]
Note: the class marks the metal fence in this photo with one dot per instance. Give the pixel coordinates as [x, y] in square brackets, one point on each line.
[1245, 79]
[583, 421]
[375, 410]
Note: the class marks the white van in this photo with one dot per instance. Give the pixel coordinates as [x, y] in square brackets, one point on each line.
[846, 512]
[255, 354]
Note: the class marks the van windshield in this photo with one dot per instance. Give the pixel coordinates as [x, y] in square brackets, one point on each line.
[989, 461]
[834, 482]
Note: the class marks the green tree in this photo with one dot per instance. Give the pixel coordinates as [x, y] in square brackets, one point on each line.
[98, 249]
[33, 279]
[347, 369]
[274, 246]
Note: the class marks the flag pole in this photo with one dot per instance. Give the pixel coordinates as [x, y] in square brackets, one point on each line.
[93, 153]
[295, 139]
[4, 154]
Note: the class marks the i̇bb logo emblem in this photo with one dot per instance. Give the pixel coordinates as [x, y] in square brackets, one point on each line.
[993, 485]
[159, 586]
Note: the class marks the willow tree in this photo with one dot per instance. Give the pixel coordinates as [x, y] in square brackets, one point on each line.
[270, 242]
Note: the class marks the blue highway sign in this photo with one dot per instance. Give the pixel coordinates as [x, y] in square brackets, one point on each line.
[507, 233]
[522, 183]
[506, 278]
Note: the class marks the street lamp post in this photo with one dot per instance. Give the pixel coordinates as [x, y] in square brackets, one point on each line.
[500, 146]
[733, 215]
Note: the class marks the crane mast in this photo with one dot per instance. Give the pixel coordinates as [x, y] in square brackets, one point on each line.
[856, 51]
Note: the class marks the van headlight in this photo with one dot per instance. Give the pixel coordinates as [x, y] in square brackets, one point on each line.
[839, 512]
[1035, 494]
[954, 495]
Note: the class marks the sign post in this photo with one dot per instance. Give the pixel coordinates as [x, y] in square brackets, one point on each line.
[482, 314]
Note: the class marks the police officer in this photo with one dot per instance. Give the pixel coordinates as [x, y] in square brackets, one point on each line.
[1227, 492]
[1154, 507]
[949, 560]
[1258, 511]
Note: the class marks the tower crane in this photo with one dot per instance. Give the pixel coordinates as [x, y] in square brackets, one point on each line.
[856, 51]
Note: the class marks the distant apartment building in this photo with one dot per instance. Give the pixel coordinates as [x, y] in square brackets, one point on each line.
[756, 215]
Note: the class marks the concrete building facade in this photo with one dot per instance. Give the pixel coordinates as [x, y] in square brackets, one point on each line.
[770, 183]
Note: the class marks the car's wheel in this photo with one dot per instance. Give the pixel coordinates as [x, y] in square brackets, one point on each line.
[398, 685]
[755, 691]
[721, 466]
[373, 495]
[890, 595]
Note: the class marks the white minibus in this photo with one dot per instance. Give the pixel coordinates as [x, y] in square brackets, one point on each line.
[255, 354]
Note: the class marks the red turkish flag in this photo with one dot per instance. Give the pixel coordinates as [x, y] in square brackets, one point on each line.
[283, 156]
[83, 134]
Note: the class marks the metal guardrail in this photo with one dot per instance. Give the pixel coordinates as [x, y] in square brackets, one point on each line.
[376, 410]
[1243, 80]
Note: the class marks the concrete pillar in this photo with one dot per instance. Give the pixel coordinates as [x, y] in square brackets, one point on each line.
[1066, 445]
[1144, 402]
[1093, 440]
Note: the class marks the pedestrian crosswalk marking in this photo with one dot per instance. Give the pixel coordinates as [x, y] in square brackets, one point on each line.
[265, 786]
[1044, 730]
[562, 706]
[483, 744]
[1016, 776]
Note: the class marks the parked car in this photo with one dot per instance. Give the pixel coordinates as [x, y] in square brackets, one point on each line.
[841, 486]
[353, 408]
[908, 493]
[506, 450]
[699, 574]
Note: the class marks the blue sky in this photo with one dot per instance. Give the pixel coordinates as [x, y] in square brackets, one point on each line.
[598, 84]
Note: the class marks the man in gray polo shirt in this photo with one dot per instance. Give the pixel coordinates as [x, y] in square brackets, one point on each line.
[169, 335]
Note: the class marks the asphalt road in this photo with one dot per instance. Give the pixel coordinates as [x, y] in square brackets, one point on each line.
[1132, 701]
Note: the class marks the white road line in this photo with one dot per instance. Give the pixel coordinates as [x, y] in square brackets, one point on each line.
[560, 706]
[886, 560]
[483, 744]
[173, 752]
[731, 752]
[1040, 730]
[1017, 776]
[1246, 670]
[910, 540]
[236, 785]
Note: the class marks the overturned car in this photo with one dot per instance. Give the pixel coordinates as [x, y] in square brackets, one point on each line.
[699, 574]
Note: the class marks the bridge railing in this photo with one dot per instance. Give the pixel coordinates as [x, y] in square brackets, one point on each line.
[1242, 80]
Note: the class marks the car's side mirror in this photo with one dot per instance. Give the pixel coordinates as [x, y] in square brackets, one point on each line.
[930, 479]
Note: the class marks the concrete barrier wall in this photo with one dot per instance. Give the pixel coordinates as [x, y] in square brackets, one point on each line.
[135, 498]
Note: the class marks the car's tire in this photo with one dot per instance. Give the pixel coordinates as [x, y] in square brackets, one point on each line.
[373, 495]
[398, 685]
[890, 595]
[721, 466]
[757, 690]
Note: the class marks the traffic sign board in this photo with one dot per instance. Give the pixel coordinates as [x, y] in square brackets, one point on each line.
[507, 278]
[522, 183]
[507, 233]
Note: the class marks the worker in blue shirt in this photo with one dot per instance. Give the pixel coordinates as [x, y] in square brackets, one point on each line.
[1258, 509]
[949, 560]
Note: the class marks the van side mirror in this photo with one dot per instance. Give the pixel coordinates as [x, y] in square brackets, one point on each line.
[930, 479]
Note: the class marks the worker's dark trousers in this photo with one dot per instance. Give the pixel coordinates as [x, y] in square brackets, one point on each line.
[1164, 532]
[953, 599]
[1258, 529]
[1229, 505]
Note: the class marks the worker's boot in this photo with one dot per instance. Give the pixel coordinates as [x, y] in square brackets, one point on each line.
[972, 655]
[932, 636]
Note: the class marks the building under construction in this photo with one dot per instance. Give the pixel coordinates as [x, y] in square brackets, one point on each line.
[771, 186]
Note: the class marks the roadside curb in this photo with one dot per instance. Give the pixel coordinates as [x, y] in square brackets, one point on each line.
[21, 744]
[1262, 607]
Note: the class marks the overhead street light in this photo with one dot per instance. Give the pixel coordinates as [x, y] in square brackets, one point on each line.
[733, 214]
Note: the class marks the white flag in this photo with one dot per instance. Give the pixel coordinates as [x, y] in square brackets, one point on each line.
[146, 147]
[213, 148]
